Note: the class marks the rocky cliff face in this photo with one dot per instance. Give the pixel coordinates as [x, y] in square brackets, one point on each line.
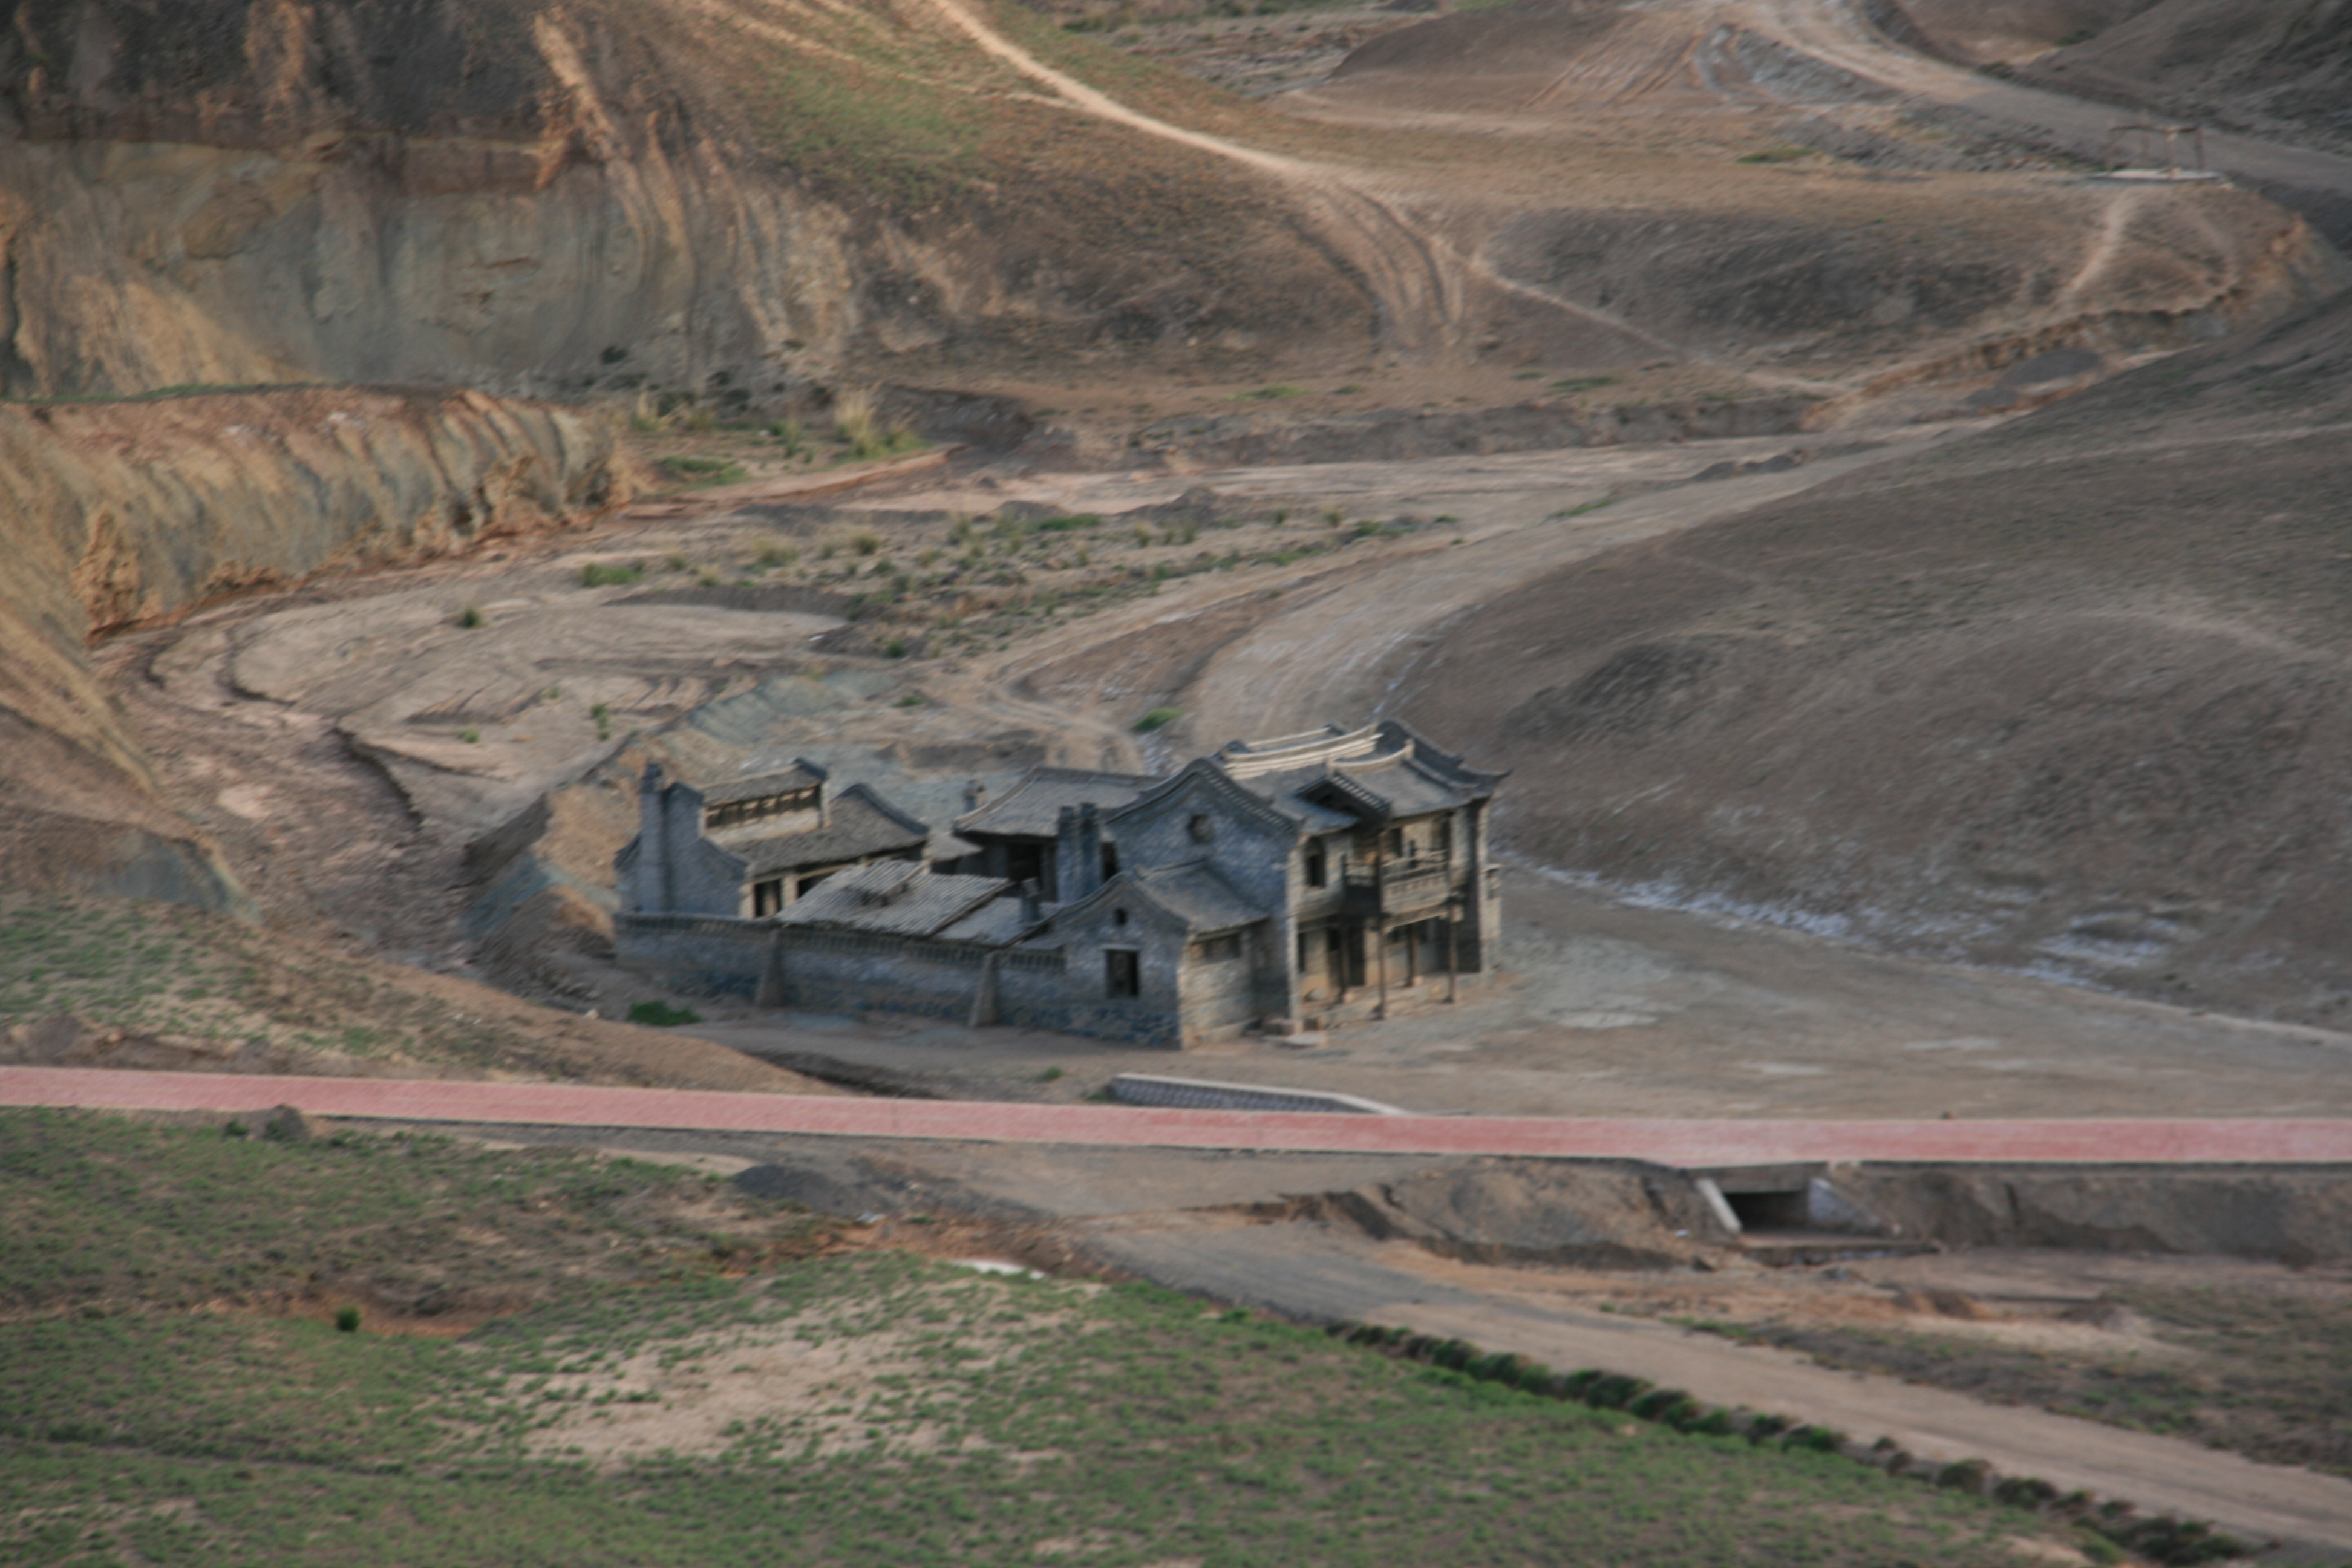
[539, 198]
[122, 512]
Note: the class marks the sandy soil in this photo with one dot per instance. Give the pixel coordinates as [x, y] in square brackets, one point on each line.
[1611, 1009]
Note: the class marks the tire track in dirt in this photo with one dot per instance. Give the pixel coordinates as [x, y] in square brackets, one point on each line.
[1426, 289]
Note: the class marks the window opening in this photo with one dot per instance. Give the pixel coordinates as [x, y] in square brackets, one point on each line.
[1122, 972]
[767, 897]
[1318, 870]
[1203, 828]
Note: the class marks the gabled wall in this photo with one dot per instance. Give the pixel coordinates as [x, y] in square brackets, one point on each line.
[670, 868]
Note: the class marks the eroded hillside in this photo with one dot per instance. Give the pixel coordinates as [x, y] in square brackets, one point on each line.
[525, 195]
[124, 512]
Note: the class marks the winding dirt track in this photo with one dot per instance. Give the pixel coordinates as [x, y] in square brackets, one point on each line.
[1426, 288]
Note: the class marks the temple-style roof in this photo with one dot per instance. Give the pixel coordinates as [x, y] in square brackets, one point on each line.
[895, 897]
[1332, 778]
[1033, 808]
[857, 821]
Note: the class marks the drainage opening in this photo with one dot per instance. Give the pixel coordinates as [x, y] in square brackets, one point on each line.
[1770, 1211]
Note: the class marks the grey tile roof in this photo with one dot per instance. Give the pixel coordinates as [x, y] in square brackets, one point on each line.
[996, 924]
[896, 897]
[1385, 768]
[1196, 895]
[800, 775]
[858, 823]
[1033, 808]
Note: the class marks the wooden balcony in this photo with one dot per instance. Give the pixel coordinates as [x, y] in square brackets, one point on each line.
[1401, 887]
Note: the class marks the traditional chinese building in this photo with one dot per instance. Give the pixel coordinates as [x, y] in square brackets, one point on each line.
[1299, 881]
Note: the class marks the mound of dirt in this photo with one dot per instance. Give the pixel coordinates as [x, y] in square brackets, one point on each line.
[2070, 695]
[1594, 1215]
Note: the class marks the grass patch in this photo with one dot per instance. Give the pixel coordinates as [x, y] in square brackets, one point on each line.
[702, 473]
[1158, 718]
[220, 985]
[661, 1014]
[1583, 382]
[1785, 153]
[603, 575]
[907, 1412]
[1270, 393]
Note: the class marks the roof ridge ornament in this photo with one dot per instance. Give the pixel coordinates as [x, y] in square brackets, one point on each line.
[1250, 759]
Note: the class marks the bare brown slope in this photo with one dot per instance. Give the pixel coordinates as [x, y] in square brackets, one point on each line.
[730, 197]
[2276, 68]
[2077, 693]
[119, 513]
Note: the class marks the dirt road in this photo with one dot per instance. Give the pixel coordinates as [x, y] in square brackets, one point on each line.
[1313, 1272]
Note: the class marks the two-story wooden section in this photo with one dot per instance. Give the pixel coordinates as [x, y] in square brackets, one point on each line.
[1301, 881]
[1390, 887]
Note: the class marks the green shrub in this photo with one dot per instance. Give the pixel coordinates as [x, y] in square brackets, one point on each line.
[347, 1320]
[603, 714]
[471, 617]
[604, 574]
[1070, 525]
[1964, 1475]
[1615, 1391]
[470, 735]
[661, 1014]
[2026, 1492]
[1158, 718]
[1649, 1407]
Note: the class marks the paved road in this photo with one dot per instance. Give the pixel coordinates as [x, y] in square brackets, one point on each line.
[1664, 1141]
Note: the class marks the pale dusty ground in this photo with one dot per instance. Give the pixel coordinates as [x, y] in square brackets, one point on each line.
[1611, 1009]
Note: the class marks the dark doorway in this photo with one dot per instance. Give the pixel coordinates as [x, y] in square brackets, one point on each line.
[1346, 956]
[1122, 972]
[767, 897]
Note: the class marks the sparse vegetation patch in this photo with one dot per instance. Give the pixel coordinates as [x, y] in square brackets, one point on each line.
[857, 1408]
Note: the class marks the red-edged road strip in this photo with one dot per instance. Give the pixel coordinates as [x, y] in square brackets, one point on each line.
[1686, 1144]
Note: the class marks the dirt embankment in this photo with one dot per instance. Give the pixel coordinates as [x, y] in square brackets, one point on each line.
[115, 513]
[731, 201]
[2070, 695]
